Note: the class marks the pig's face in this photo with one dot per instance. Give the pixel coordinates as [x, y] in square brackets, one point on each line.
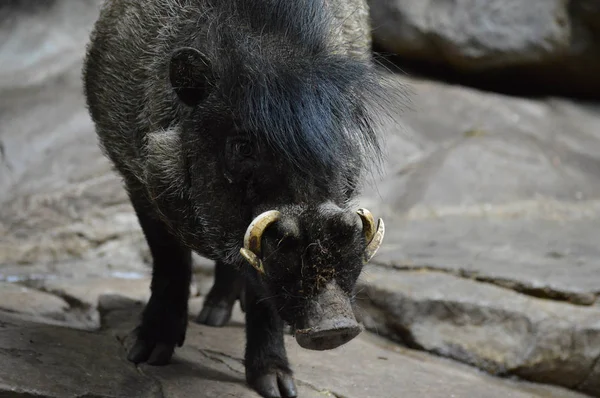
[289, 142]
[309, 259]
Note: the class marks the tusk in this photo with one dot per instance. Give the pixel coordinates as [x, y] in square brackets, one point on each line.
[373, 237]
[252, 239]
[253, 236]
[253, 260]
[368, 223]
[374, 245]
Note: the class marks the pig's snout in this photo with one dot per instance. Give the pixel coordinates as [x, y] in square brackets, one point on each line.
[329, 334]
[328, 321]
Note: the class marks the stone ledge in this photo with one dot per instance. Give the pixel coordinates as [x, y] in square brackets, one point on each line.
[495, 329]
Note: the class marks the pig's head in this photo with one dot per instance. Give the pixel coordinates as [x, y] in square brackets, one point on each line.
[309, 259]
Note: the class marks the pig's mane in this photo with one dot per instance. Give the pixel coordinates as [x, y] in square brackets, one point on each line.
[310, 102]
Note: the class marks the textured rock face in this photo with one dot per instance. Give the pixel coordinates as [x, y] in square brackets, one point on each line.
[51, 361]
[497, 188]
[490, 201]
[545, 41]
[503, 332]
[475, 33]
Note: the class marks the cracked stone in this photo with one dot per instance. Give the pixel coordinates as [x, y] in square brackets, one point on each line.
[492, 328]
[550, 259]
[57, 362]
[89, 290]
[43, 307]
[367, 366]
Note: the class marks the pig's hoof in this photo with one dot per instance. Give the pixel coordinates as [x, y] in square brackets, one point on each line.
[156, 338]
[274, 384]
[217, 314]
[157, 354]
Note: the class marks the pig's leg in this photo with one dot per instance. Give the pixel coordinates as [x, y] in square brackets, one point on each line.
[164, 320]
[226, 289]
[267, 367]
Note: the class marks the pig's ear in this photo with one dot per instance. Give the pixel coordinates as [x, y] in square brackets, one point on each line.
[189, 74]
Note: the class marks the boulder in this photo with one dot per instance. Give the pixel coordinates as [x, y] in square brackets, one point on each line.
[550, 44]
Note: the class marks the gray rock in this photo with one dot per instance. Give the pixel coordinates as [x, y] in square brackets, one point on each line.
[552, 42]
[503, 189]
[55, 362]
[44, 307]
[366, 367]
[475, 33]
[550, 259]
[87, 291]
[495, 329]
[51, 361]
[500, 190]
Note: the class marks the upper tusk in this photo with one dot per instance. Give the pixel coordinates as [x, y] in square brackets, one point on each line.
[253, 237]
[368, 223]
[375, 243]
[373, 235]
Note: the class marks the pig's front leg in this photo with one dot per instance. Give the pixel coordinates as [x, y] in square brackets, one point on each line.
[164, 320]
[267, 367]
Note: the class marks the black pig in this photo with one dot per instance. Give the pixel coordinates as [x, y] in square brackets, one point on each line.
[242, 129]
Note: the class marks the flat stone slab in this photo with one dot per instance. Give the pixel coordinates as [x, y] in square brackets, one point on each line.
[51, 361]
[546, 258]
[44, 307]
[59, 362]
[492, 328]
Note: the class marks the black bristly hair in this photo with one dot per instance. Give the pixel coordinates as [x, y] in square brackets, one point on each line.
[284, 81]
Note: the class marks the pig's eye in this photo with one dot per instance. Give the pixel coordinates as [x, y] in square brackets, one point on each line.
[244, 149]
[240, 158]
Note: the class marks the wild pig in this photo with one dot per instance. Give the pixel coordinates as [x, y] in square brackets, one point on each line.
[242, 129]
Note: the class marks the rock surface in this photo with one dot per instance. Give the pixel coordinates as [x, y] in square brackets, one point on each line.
[551, 42]
[489, 200]
[494, 187]
[501, 331]
[40, 306]
[51, 361]
[503, 191]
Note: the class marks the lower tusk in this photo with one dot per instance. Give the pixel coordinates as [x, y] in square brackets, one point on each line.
[253, 260]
